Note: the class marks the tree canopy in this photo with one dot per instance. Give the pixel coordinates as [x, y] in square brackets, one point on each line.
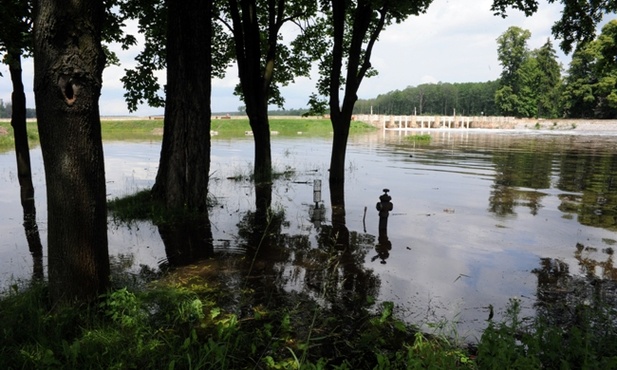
[591, 83]
[578, 22]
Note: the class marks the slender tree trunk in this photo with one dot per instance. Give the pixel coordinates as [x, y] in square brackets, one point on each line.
[255, 83]
[69, 61]
[260, 125]
[24, 169]
[340, 128]
[358, 63]
[182, 179]
[18, 121]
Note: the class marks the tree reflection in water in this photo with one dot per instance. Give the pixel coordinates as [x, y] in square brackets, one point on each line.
[278, 267]
[34, 240]
[564, 296]
[344, 282]
[187, 240]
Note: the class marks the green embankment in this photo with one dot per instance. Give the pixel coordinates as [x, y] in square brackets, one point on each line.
[149, 129]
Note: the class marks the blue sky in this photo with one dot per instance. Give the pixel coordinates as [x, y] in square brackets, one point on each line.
[454, 41]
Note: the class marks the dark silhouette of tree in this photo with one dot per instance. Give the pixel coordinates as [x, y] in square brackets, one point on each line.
[343, 40]
[182, 178]
[264, 62]
[69, 62]
[15, 40]
[578, 22]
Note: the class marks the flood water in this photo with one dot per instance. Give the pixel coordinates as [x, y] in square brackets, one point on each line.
[479, 218]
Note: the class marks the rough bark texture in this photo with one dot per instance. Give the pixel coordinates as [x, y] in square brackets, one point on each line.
[182, 179]
[24, 169]
[69, 61]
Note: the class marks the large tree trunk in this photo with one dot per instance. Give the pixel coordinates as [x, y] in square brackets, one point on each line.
[24, 169]
[69, 61]
[182, 179]
[187, 241]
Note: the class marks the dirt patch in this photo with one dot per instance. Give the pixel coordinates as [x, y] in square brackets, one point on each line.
[3, 131]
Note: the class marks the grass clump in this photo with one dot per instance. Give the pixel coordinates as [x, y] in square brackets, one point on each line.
[182, 322]
[587, 339]
[168, 326]
[142, 206]
[422, 138]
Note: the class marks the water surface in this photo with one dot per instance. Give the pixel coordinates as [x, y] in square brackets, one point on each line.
[479, 217]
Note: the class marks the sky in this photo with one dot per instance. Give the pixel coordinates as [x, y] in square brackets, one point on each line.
[454, 41]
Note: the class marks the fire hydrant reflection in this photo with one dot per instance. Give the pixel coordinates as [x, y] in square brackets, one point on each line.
[384, 207]
[384, 245]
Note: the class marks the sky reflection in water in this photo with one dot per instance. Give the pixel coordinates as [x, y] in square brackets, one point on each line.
[474, 212]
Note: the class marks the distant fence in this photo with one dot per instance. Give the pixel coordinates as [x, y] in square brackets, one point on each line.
[411, 122]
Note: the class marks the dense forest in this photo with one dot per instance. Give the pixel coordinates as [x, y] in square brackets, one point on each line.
[470, 99]
[531, 84]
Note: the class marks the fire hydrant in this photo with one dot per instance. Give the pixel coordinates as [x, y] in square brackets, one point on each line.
[384, 207]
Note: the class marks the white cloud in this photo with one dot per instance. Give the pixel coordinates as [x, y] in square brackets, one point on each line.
[455, 41]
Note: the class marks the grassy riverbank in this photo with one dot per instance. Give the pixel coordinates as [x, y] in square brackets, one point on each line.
[190, 322]
[152, 129]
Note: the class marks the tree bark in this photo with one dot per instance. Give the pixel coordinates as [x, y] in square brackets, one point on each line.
[182, 179]
[254, 82]
[358, 63]
[69, 61]
[24, 168]
[187, 241]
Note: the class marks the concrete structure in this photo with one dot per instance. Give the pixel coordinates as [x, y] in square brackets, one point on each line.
[427, 122]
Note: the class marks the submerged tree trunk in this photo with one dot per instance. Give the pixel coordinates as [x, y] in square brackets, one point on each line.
[182, 179]
[261, 133]
[254, 81]
[187, 241]
[340, 129]
[24, 169]
[69, 61]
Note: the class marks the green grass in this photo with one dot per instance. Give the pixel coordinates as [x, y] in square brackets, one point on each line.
[225, 128]
[7, 141]
[179, 323]
[284, 127]
[197, 320]
[146, 129]
[422, 138]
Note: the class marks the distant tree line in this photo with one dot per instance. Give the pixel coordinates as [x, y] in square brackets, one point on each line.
[470, 99]
[531, 84]
[6, 109]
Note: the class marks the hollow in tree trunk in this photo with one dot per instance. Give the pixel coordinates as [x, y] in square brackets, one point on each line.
[68, 66]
